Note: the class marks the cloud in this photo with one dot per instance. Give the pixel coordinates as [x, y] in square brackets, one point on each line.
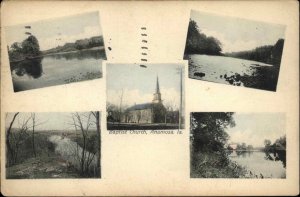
[229, 46]
[51, 42]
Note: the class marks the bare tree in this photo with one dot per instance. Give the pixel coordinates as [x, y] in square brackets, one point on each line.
[8, 143]
[86, 157]
[33, 124]
[98, 147]
[19, 137]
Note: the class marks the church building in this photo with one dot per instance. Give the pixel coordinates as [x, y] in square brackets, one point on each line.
[152, 112]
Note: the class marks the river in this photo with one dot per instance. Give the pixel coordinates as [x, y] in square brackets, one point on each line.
[233, 71]
[57, 69]
[261, 163]
[72, 152]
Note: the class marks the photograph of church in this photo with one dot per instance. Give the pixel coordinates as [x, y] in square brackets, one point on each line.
[149, 97]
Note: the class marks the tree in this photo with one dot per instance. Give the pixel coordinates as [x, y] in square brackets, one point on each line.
[250, 147]
[244, 146]
[98, 147]
[199, 43]
[16, 47]
[30, 46]
[8, 144]
[83, 122]
[33, 124]
[208, 130]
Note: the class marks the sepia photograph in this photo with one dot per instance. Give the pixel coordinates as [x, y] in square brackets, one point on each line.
[55, 51]
[53, 145]
[145, 97]
[234, 51]
[237, 145]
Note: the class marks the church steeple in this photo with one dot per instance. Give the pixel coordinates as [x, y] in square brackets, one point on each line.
[157, 95]
[157, 86]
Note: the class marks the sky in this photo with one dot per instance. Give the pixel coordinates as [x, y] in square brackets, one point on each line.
[49, 120]
[139, 83]
[68, 29]
[254, 128]
[237, 34]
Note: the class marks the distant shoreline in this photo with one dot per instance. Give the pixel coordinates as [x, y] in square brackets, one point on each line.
[58, 53]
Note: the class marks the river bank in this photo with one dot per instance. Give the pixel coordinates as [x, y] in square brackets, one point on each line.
[213, 165]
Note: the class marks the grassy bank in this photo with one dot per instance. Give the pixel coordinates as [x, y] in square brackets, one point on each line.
[214, 165]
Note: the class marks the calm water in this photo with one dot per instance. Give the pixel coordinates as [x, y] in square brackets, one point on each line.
[57, 69]
[228, 70]
[261, 163]
[72, 152]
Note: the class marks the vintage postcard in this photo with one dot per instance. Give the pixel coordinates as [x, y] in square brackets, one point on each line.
[234, 51]
[170, 126]
[52, 145]
[238, 145]
[145, 97]
[55, 52]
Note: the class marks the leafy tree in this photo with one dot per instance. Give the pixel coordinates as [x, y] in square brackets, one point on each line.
[250, 147]
[208, 130]
[199, 43]
[30, 46]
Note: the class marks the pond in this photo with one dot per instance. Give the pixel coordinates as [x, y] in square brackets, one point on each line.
[268, 165]
[57, 69]
[233, 71]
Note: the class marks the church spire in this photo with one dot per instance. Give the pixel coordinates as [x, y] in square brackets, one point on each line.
[157, 86]
[157, 95]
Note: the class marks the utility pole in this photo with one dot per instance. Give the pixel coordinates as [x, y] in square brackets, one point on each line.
[120, 111]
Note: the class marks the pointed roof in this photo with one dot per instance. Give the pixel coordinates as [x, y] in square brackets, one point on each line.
[157, 86]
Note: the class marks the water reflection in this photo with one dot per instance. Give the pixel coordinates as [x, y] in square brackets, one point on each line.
[260, 163]
[57, 69]
[32, 68]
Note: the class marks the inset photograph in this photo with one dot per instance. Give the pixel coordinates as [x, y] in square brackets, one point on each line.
[237, 145]
[145, 97]
[53, 145]
[234, 51]
[56, 51]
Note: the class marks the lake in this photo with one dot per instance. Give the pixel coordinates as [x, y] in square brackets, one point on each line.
[57, 69]
[261, 163]
[233, 71]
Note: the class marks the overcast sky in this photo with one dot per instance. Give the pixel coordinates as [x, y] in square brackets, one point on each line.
[254, 128]
[67, 29]
[237, 34]
[50, 121]
[139, 83]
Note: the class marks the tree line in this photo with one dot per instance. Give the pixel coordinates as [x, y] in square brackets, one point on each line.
[269, 54]
[198, 43]
[87, 43]
[30, 48]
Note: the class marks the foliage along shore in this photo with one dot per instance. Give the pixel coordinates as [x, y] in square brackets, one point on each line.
[30, 49]
[198, 43]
